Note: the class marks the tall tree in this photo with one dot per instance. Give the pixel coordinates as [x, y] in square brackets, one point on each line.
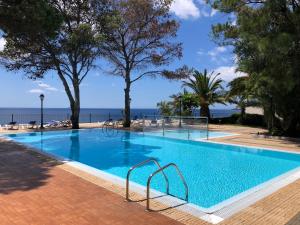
[208, 89]
[142, 43]
[266, 39]
[54, 35]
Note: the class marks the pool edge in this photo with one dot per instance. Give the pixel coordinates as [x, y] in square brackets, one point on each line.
[213, 214]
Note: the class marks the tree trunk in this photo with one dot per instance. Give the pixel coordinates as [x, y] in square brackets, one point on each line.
[75, 116]
[75, 106]
[74, 101]
[204, 111]
[127, 116]
[242, 116]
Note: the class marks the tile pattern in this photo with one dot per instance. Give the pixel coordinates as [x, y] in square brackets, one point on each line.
[35, 189]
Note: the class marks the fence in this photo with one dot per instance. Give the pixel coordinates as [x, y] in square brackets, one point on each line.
[185, 127]
[84, 118]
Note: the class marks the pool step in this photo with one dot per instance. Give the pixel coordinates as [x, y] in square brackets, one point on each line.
[159, 170]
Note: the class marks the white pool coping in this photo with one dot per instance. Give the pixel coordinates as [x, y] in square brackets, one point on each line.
[214, 214]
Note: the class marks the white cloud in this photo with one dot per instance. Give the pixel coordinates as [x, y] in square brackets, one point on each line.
[216, 51]
[213, 12]
[97, 74]
[46, 87]
[36, 91]
[216, 54]
[228, 73]
[51, 89]
[43, 85]
[185, 9]
[201, 52]
[2, 43]
[42, 88]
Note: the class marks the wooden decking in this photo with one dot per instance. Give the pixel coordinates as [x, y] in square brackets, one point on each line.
[37, 190]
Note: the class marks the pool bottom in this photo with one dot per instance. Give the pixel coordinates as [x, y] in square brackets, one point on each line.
[214, 214]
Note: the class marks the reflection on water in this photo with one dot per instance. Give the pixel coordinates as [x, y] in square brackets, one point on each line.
[42, 139]
[75, 146]
[127, 145]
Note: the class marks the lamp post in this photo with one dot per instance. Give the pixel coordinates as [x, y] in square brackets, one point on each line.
[180, 106]
[42, 96]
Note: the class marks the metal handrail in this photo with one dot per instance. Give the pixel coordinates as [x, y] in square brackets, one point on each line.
[161, 170]
[139, 165]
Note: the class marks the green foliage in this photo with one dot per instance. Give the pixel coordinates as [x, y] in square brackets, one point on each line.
[64, 36]
[187, 101]
[142, 43]
[240, 94]
[266, 40]
[208, 89]
[165, 108]
[29, 17]
[249, 119]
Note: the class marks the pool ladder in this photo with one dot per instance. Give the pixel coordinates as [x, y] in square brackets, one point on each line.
[159, 170]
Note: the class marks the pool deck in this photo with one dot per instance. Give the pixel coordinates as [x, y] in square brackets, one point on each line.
[35, 189]
[248, 136]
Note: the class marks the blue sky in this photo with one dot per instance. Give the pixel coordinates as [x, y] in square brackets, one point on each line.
[100, 90]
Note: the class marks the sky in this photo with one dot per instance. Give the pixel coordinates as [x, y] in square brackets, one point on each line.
[100, 90]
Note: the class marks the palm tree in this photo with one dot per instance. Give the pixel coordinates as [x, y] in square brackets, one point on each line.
[207, 88]
[164, 108]
[188, 103]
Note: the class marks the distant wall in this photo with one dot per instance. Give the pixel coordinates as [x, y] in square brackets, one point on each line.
[255, 110]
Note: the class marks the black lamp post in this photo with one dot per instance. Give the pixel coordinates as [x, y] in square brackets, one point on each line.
[42, 96]
[180, 106]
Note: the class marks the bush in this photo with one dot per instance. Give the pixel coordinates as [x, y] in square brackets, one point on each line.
[249, 119]
[254, 120]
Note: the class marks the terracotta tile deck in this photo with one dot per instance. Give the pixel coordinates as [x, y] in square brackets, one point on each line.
[33, 190]
[37, 190]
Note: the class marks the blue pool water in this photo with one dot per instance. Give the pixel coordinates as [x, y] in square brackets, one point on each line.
[213, 172]
[188, 134]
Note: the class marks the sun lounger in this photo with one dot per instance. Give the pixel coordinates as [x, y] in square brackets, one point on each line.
[66, 123]
[12, 126]
[32, 124]
[56, 124]
[109, 123]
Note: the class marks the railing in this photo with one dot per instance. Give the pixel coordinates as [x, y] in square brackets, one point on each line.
[22, 118]
[139, 165]
[184, 123]
[161, 170]
[86, 116]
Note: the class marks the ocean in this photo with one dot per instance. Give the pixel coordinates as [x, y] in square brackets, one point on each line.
[24, 115]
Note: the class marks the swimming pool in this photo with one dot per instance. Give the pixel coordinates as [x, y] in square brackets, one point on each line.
[188, 134]
[214, 172]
